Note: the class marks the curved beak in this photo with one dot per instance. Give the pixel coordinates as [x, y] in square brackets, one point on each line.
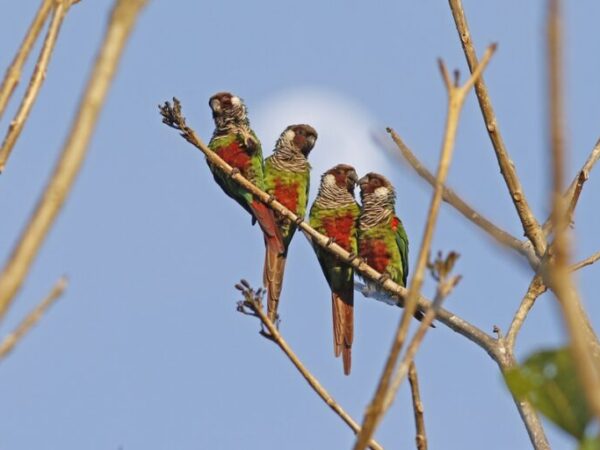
[364, 180]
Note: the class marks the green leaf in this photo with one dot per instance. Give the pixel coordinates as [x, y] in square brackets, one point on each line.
[548, 380]
[590, 444]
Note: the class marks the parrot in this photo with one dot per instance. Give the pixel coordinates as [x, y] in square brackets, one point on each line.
[235, 142]
[382, 240]
[287, 179]
[335, 213]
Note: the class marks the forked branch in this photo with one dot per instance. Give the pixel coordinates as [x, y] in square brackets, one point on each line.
[253, 302]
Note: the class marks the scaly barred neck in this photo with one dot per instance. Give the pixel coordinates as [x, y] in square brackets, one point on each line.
[332, 196]
[232, 121]
[376, 209]
[289, 158]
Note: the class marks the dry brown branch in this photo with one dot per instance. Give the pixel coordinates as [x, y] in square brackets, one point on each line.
[421, 435]
[252, 301]
[13, 73]
[557, 274]
[32, 318]
[585, 262]
[173, 117]
[531, 227]
[535, 289]
[35, 84]
[121, 22]
[456, 98]
[574, 191]
[449, 196]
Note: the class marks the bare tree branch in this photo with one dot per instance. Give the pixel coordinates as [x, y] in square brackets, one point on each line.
[531, 227]
[32, 318]
[13, 73]
[122, 19]
[421, 435]
[535, 289]
[586, 262]
[252, 301]
[557, 274]
[456, 98]
[35, 84]
[449, 196]
[173, 117]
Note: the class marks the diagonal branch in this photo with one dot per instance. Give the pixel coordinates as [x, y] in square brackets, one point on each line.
[173, 117]
[32, 318]
[531, 227]
[421, 435]
[121, 22]
[35, 84]
[449, 196]
[252, 301]
[456, 98]
[535, 289]
[557, 274]
[585, 262]
[13, 73]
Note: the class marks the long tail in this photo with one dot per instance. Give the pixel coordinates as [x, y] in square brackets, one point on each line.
[273, 279]
[342, 303]
[266, 220]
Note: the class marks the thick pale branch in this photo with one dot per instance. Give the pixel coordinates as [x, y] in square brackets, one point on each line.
[421, 435]
[583, 342]
[456, 98]
[35, 84]
[531, 227]
[449, 196]
[252, 301]
[120, 25]
[32, 318]
[13, 73]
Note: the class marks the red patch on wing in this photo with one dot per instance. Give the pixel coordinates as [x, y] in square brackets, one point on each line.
[375, 253]
[287, 194]
[395, 222]
[340, 229]
[234, 155]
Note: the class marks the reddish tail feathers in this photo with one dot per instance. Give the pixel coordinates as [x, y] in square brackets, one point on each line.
[342, 303]
[266, 220]
[273, 279]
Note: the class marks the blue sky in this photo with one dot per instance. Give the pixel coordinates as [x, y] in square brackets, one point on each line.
[146, 350]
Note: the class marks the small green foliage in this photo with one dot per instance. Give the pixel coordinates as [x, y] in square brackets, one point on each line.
[548, 380]
[590, 443]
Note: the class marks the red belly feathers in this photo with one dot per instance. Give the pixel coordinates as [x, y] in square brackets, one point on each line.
[340, 229]
[375, 253]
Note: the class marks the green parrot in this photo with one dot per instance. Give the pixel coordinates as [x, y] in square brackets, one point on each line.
[287, 178]
[235, 142]
[335, 213]
[382, 240]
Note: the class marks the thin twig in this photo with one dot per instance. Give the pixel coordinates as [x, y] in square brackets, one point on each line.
[253, 302]
[535, 289]
[574, 191]
[35, 84]
[173, 117]
[585, 262]
[531, 227]
[120, 25]
[13, 73]
[557, 274]
[421, 435]
[32, 318]
[456, 98]
[449, 196]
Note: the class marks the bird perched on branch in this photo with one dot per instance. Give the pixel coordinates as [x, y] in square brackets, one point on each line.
[335, 213]
[235, 142]
[287, 178]
[382, 240]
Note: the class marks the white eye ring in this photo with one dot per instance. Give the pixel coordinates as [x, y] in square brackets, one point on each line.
[382, 191]
[289, 135]
[329, 180]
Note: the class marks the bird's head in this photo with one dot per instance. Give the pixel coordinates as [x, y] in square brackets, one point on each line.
[301, 137]
[226, 104]
[376, 184]
[343, 176]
